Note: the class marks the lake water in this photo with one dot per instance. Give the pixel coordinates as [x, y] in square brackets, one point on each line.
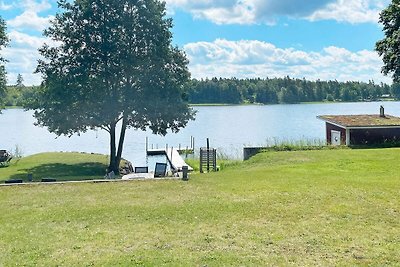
[229, 128]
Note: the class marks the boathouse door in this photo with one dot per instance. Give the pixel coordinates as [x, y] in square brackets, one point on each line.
[335, 138]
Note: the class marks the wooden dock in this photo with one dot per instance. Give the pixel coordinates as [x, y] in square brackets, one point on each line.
[173, 156]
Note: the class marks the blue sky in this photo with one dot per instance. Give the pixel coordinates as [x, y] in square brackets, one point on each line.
[315, 39]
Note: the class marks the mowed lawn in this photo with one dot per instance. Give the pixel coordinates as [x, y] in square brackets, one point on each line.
[330, 207]
[63, 166]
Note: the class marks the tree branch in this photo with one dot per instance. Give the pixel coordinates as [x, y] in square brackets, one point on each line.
[106, 128]
[120, 118]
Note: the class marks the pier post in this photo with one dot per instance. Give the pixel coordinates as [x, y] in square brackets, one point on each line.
[185, 176]
[208, 155]
[201, 161]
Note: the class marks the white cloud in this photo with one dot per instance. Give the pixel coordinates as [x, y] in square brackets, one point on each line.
[22, 55]
[4, 6]
[267, 11]
[20, 39]
[224, 58]
[23, 61]
[29, 18]
[34, 6]
[27, 5]
[246, 11]
[353, 11]
[246, 59]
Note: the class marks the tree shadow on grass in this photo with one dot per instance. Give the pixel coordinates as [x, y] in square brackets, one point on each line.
[64, 172]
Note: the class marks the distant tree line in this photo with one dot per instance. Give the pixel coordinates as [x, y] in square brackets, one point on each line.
[19, 94]
[248, 91]
[285, 90]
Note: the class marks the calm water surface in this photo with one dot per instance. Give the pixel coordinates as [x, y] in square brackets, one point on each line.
[228, 127]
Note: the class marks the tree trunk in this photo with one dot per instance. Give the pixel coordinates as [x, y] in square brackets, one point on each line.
[121, 140]
[113, 153]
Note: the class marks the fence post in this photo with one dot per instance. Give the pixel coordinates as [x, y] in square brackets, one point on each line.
[215, 160]
[208, 155]
[201, 161]
[185, 170]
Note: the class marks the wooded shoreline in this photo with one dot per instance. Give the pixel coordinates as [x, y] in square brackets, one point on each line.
[233, 91]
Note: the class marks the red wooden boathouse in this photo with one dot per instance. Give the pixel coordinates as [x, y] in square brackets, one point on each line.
[361, 129]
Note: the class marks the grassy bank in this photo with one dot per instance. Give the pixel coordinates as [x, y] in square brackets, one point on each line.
[326, 207]
[62, 166]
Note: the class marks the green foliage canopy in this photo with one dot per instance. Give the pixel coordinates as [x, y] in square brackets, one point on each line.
[113, 63]
[389, 46]
[3, 42]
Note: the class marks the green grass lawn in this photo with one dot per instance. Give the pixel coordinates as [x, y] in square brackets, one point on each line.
[62, 166]
[328, 207]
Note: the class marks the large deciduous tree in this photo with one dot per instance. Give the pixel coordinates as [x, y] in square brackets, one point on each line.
[3, 43]
[113, 67]
[389, 46]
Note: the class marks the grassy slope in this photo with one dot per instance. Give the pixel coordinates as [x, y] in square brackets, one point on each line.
[62, 166]
[339, 207]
